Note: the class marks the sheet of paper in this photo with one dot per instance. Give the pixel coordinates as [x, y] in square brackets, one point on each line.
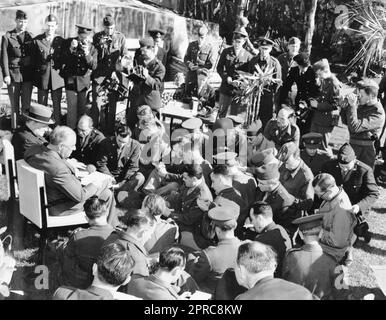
[380, 275]
[199, 295]
[96, 177]
[123, 296]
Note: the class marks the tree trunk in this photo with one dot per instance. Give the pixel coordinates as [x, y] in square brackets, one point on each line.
[310, 6]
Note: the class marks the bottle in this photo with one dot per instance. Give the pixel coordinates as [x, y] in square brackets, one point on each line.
[194, 106]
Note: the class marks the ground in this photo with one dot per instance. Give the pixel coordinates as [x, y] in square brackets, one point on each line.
[361, 278]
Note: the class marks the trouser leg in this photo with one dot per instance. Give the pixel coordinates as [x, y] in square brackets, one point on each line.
[82, 102]
[43, 97]
[134, 183]
[26, 95]
[97, 103]
[14, 98]
[366, 154]
[108, 196]
[56, 96]
[225, 102]
[72, 106]
[112, 110]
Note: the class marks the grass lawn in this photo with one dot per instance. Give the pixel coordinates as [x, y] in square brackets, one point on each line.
[360, 276]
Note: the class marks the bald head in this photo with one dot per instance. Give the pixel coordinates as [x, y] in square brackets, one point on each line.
[85, 126]
[64, 140]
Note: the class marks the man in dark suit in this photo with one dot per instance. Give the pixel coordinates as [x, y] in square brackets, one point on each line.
[79, 59]
[231, 60]
[88, 141]
[16, 50]
[256, 263]
[111, 271]
[286, 59]
[357, 180]
[33, 130]
[65, 193]
[147, 87]
[46, 54]
[118, 157]
[111, 47]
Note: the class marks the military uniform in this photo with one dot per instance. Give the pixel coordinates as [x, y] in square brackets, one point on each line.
[87, 148]
[91, 293]
[16, 50]
[246, 185]
[46, 59]
[110, 50]
[76, 71]
[281, 137]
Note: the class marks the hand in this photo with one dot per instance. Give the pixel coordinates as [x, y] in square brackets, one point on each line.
[355, 209]
[203, 204]
[7, 80]
[74, 44]
[352, 99]
[145, 72]
[114, 76]
[313, 103]
[186, 295]
[229, 80]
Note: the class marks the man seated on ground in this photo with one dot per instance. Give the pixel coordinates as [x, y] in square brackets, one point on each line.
[82, 249]
[166, 230]
[312, 155]
[208, 266]
[357, 180]
[65, 193]
[256, 264]
[88, 141]
[33, 130]
[269, 233]
[187, 213]
[309, 266]
[138, 226]
[112, 270]
[222, 184]
[338, 220]
[160, 285]
[118, 157]
[282, 129]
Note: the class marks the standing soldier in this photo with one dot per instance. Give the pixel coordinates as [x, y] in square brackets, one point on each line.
[286, 59]
[265, 65]
[160, 52]
[198, 56]
[46, 60]
[78, 60]
[111, 47]
[16, 46]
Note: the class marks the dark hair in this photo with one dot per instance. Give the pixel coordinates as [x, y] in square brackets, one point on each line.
[221, 169]
[193, 170]
[257, 257]
[137, 219]
[262, 208]
[302, 59]
[95, 208]
[171, 258]
[324, 181]
[123, 131]
[155, 204]
[115, 264]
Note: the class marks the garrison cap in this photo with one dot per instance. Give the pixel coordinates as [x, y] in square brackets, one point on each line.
[264, 41]
[21, 15]
[108, 21]
[224, 216]
[156, 32]
[309, 222]
[312, 140]
[192, 124]
[268, 172]
[263, 158]
[294, 40]
[286, 151]
[83, 28]
[346, 154]
[367, 83]
[241, 31]
[51, 18]
[146, 42]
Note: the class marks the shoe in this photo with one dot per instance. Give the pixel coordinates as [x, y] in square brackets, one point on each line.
[367, 237]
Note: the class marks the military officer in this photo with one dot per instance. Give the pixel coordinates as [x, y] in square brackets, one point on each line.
[265, 64]
[309, 266]
[231, 60]
[79, 59]
[46, 56]
[286, 59]
[312, 156]
[209, 265]
[198, 56]
[111, 47]
[16, 47]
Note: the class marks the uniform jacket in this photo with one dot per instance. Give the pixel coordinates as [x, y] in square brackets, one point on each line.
[306, 83]
[309, 267]
[316, 162]
[121, 166]
[299, 184]
[152, 288]
[274, 235]
[365, 122]
[281, 202]
[246, 185]
[138, 252]
[328, 101]
[208, 266]
[92, 293]
[110, 50]
[46, 60]
[338, 225]
[61, 182]
[359, 183]
[23, 139]
[148, 91]
[173, 67]
[16, 56]
[87, 150]
[80, 253]
[285, 61]
[77, 67]
[164, 235]
[258, 66]
[203, 57]
[270, 288]
[227, 66]
[281, 137]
